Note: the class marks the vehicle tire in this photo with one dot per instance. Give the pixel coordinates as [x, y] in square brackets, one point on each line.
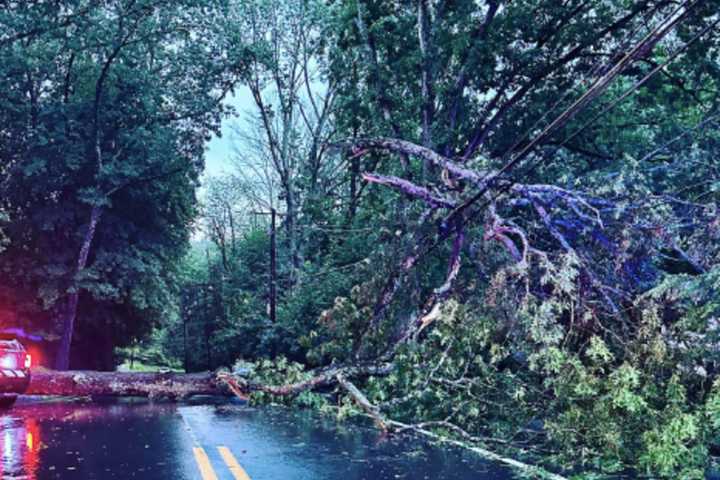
[7, 401]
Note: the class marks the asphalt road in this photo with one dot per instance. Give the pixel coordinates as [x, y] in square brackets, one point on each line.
[54, 439]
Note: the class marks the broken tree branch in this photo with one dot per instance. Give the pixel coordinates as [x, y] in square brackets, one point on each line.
[363, 402]
[410, 189]
[317, 379]
[533, 470]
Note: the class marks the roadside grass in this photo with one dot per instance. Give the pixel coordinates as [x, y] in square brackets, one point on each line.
[139, 366]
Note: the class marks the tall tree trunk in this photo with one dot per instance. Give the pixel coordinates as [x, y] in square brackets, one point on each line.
[424, 25]
[428, 95]
[291, 230]
[354, 175]
[69, 313]
[62, 360]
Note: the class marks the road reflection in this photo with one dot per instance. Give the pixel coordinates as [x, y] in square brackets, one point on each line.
[19, 451]
[42, 440]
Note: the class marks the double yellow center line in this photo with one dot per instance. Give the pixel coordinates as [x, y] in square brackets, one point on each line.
[206, 469]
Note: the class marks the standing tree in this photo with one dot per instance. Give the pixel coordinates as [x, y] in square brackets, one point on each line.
[121, 99]
[293, 102]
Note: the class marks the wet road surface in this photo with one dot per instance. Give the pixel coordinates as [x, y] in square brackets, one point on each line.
[42, 440]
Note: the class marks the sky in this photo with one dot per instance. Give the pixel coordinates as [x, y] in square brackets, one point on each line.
[220, 149]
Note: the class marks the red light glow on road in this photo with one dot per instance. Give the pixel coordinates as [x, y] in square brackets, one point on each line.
[20, 449]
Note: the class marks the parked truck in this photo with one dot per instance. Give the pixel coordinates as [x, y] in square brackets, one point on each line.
[15, 364]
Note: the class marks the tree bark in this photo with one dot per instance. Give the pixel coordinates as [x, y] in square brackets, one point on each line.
[62, 361]
[152, 385]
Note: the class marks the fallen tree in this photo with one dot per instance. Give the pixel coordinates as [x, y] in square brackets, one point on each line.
[152, 385]
[570, 252]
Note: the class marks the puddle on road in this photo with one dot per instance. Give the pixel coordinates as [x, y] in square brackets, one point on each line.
[43, 440]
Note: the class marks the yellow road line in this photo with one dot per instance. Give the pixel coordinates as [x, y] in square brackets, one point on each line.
[203, 463]
[233, 464]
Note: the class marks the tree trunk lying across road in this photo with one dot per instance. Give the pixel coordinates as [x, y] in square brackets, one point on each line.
[153, 385]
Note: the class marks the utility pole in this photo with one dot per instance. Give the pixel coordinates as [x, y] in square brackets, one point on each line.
[272, 281]
[209, 297]
[185, 303]
[186, 359]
